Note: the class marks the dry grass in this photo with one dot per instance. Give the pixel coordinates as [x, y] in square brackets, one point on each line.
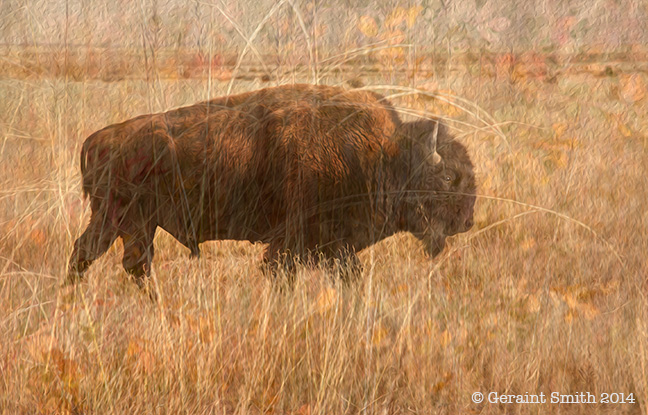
[546, 293]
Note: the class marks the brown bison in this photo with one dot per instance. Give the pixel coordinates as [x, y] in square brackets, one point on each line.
[313, 171]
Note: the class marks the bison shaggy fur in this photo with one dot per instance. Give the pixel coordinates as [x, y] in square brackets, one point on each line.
[312, 171]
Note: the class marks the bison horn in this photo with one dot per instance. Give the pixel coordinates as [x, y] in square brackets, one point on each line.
[436, 157]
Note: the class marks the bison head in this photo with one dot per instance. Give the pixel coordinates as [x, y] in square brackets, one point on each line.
[439, 189]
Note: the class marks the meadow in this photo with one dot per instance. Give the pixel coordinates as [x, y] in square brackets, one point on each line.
[547, 293]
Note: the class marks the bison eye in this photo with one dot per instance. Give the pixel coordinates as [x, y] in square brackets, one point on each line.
[449, 176]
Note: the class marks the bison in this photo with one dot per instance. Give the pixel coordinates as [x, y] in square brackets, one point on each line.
[311, 171]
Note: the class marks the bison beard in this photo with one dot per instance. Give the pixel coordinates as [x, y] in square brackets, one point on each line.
[313, 171]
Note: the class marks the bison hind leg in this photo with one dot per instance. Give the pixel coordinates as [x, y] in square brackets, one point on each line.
[94, 242]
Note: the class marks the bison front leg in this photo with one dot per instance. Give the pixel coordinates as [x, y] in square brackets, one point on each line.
[138, 255]
[278, 260]
[93, 243]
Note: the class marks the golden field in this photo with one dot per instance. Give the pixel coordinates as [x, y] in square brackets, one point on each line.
[547, 293]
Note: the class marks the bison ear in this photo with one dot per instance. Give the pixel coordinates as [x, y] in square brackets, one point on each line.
[432, 145]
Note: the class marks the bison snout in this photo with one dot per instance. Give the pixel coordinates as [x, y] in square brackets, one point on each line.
[459, 225]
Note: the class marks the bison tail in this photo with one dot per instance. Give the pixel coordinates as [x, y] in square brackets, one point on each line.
[82, 162]
[87, 183]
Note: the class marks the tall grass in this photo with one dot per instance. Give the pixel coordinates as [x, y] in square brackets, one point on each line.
[545, 294]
